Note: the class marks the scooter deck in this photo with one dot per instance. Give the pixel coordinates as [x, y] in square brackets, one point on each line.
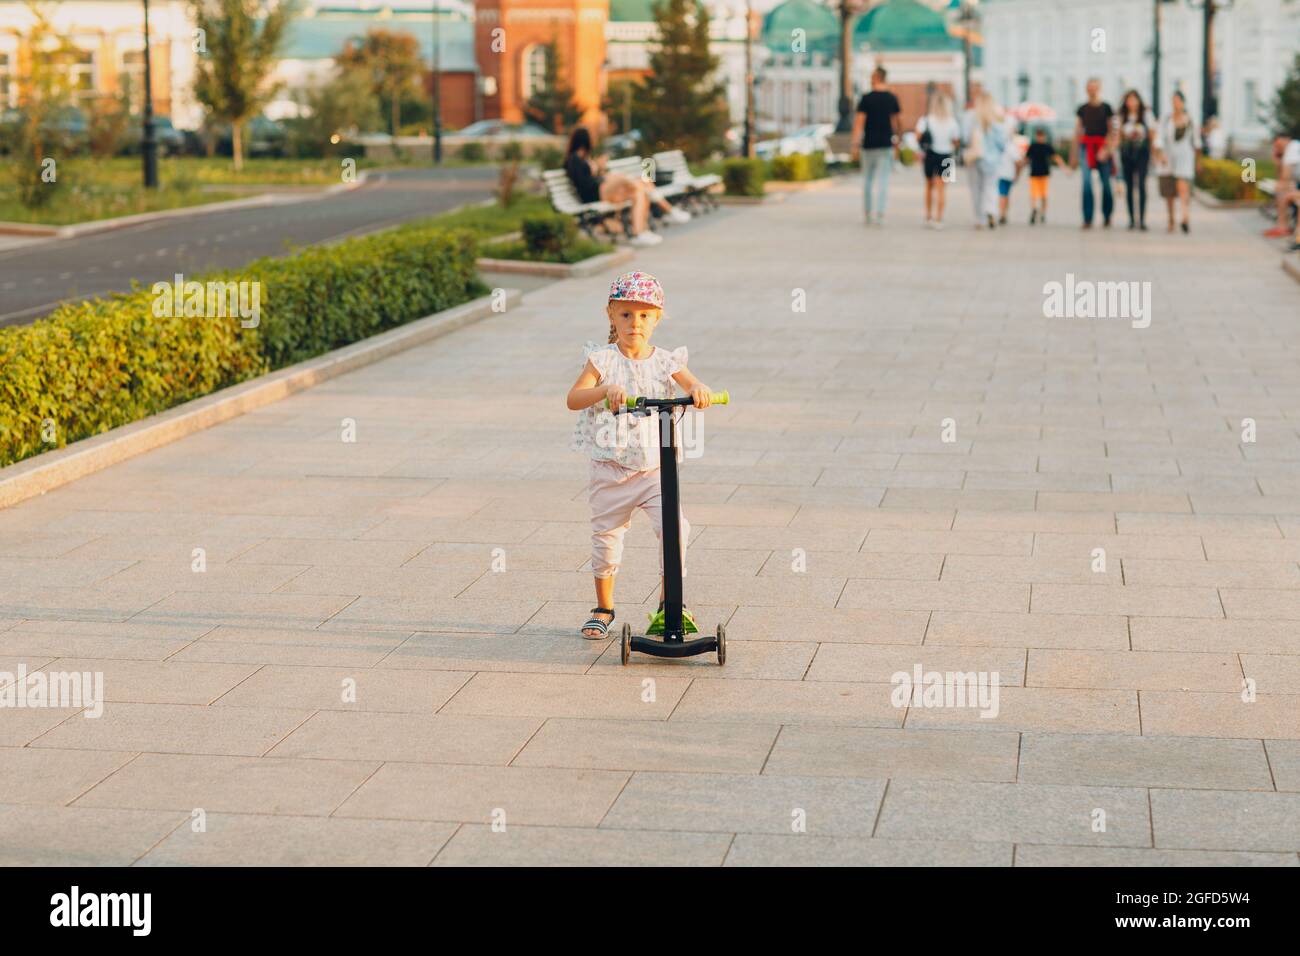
[657, 648]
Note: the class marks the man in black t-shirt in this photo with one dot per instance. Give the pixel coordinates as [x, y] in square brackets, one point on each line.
[1092, 133]
[876, 127]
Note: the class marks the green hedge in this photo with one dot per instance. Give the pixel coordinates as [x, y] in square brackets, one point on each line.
[93, 366]
[1223, 179]
[798, 167]
[744, 177]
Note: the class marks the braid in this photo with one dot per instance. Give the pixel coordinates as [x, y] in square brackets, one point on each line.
[613, 336]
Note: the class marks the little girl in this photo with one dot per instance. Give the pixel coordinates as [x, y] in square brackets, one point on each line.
[624, 450]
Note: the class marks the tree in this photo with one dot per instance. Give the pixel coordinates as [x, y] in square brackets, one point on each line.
[681, 102]
[44, 94]
[551, 105]
[1286, 103]
[344, 104]
[390, 62]
[232, 79]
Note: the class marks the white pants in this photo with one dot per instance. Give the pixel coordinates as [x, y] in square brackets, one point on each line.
[615, 493]
[983, 192]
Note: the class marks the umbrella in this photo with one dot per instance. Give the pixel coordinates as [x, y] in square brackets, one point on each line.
[1027, 112]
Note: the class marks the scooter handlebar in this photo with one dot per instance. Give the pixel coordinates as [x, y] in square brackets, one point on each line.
[716, 398]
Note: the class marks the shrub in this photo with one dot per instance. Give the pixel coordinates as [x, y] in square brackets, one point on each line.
[582, 248]
[512, 152]
[546, 237]
[790, 169]
[743, 177]
[92, 366]
[548, 157]
[817, 165]
[1223, 179]
[473, 153]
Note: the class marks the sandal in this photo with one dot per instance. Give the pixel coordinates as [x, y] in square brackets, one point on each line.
[657, 622]
[596, 624]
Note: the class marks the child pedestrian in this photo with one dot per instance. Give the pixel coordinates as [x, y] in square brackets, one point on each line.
[1040, 155]
[624, 451]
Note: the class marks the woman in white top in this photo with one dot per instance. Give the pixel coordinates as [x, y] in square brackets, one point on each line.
[1176, 154]
[938, 132]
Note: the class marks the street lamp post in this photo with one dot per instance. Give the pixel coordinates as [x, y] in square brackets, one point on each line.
[747, 147]
[967, 20]
[148, 145]
[1155, 57]
[437, 87]
[845, 124]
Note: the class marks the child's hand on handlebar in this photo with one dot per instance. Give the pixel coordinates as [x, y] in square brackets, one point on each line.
[616, 397]
[701, 396]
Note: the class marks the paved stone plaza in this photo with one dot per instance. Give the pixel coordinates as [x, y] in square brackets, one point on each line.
[1147, 713]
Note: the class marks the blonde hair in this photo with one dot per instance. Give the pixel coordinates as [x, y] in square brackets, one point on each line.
[941, 106]
[987, 110]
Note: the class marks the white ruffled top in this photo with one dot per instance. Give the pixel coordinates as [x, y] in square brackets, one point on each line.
[631, 442]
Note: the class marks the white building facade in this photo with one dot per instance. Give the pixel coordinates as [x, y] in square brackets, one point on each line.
[1045, 50]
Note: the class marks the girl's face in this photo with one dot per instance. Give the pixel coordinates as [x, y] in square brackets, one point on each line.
[634, 322]
[1131, 104]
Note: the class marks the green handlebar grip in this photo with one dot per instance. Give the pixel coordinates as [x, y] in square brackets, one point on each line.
[717, 398]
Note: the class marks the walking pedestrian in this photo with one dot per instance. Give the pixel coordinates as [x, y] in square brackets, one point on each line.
[876, 127]
[938, 133]
[1040, 155]
[1135, 132]
[1179, 143]
[1092, 138]
[984, 139]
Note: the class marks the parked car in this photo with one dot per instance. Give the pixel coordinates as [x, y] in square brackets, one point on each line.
[262, 137]
[170, 140]
[806, 140]
[623, 144]
[496, 127]
[65, 127]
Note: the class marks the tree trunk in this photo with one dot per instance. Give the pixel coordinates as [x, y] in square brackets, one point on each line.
[396, 118]
[237, 145]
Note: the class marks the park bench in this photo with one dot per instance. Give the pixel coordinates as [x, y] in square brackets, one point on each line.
[634, 167]
[590, 216]
[696, 188]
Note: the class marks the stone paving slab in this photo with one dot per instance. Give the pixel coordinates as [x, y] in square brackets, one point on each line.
[382, 651]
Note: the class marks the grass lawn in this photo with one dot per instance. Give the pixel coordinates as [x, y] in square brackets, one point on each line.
[90, 189]
[487, 221]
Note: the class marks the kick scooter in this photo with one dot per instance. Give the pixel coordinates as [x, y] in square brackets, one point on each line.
[674, 643]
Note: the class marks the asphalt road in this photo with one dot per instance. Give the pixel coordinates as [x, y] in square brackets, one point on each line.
[37, 277]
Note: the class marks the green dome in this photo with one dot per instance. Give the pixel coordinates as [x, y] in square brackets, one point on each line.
[635, 11]
[821, 27]
[903, 25]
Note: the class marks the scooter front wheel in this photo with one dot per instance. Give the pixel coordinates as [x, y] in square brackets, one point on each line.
[627, 643]
[722, 645]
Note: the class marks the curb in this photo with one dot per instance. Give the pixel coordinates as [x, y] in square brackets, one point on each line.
[121, 222]
[35, 476]
[557, 270]
[1211, 201]
[802, 186]
[726, 200]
